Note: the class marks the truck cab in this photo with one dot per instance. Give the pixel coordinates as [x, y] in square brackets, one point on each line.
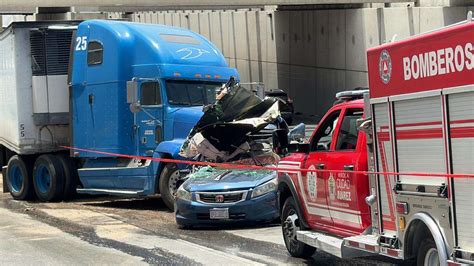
[329, 201]
[137, 90]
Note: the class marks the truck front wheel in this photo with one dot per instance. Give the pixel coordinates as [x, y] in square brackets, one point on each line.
[19, 180]
[290, 224]
[170, 181]
[48, 178]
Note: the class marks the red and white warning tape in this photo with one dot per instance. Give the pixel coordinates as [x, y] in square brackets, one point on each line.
[268, 168]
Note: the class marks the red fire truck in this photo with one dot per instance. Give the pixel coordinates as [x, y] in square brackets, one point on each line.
[415, 125]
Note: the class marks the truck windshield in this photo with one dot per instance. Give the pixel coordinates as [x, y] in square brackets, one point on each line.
[191, 93]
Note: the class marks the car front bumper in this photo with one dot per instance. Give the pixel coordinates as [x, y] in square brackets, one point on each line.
[260, 209]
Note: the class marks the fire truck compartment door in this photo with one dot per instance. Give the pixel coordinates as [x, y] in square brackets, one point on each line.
[385, 164]
[461, 122]
[419, 140]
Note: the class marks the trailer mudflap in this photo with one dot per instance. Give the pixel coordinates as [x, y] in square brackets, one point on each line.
[4, 179]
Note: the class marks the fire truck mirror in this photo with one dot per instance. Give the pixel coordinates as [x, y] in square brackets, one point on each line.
[299, 147]
[364, 125]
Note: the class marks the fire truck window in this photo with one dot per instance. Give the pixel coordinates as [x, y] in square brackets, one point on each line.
[150, 94]
[323, 138]
[348, 133]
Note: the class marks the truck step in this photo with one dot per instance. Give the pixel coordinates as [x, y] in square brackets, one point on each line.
[330, 244]
[367, 243]
[117, 192]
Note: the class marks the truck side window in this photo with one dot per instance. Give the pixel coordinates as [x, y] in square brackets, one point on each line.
[323, 138]
[150, 93]
[95, 53]
[348, 133]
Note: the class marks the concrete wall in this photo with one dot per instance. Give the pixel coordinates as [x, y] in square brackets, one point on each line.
[310, 54]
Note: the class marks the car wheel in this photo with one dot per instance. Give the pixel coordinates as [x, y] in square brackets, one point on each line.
[48, 178]
[19, 181]
[170, 180]
[427, 254]
[290, 224]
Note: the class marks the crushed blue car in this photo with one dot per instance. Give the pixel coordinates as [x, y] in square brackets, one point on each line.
[213, 196]
[240, 129]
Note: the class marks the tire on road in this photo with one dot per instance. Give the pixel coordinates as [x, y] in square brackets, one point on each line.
[19, 178]
[48, 178]
[295, 248]
[168, 184]
[71, 178]
[427, 253]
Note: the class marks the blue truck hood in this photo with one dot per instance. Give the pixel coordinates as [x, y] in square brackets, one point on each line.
[211, 179]
[184, 119]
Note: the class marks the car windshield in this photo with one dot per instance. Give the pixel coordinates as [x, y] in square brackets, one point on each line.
[191, 93]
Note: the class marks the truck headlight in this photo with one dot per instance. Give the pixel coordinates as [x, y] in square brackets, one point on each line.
[183, 194]
[265, 188]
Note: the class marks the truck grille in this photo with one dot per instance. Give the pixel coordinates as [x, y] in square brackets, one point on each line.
[224, 197]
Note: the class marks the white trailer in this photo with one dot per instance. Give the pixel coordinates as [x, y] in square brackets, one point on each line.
[34, 60]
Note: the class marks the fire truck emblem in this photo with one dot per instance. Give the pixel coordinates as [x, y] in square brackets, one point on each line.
[332, 187]
[312, 183]
[385, 66]
[220, 198]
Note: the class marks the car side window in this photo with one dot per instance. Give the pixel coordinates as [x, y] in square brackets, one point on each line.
[324, 135]
[150, 93]
[348, 133]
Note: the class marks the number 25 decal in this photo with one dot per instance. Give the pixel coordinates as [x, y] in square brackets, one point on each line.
[81, 43]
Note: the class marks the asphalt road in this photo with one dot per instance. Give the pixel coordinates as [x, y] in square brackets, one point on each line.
[105, 230]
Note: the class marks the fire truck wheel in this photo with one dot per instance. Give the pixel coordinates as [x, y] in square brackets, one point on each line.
[19, 180]
[48, 178]
[427, 253]
[290, 224]
[169, 184]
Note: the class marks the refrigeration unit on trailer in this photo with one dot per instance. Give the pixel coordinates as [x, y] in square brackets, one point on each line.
[107, 86]
[418, 118]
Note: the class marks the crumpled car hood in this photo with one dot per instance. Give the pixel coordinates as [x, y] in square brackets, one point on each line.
[225, 125]
[213, 179]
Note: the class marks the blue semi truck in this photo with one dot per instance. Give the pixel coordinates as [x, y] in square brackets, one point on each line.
[108, 86]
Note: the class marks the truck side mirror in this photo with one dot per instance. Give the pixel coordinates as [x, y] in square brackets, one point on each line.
[132, 91]
[132, 96]
[299, 147]
[364, 125]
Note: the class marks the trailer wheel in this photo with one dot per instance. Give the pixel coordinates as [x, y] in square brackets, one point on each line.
[19, 179]
[71, 178]
[427, 254]
[48, 178]
[289, 225]
[170, 181]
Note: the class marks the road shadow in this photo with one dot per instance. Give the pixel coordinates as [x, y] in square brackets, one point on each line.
[148, 204]
[233, 225]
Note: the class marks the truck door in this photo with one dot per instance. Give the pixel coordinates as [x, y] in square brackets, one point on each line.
[346, 191]
[149, 120]
[314, 184]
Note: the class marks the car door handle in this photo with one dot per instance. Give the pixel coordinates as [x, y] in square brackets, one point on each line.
[349, 167]
[320, 166]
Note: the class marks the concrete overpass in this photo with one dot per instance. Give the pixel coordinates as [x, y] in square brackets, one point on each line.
[309, 48]
[15, 6]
